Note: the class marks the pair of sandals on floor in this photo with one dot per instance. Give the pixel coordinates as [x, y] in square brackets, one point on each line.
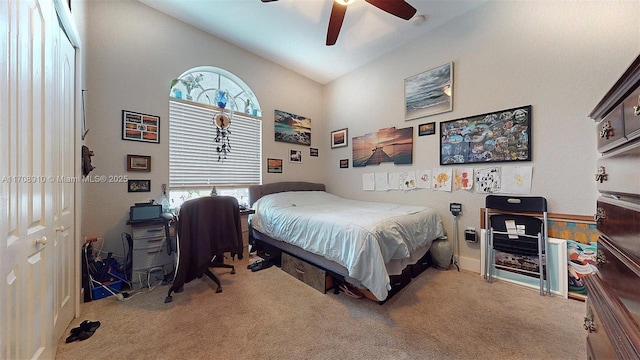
[260, 265]
[84, 331]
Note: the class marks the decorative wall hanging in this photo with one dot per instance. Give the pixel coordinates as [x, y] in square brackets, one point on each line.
[344, 163]
[139, 185]
[295, 156]
[292, 128]
[86, 160]
[222, 121]
[339, 138]
[429, 93]
[313, 152]
[274, 166]
[427, 129]
[140, 127]
[138, 163]
[493, 137]
[385, 145]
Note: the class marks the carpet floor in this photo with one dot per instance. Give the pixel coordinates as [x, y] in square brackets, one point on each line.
[271, 315]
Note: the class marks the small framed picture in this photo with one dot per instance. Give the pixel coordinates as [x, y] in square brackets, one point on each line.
[140, 127]
[138, 163]
[427, 129]
[295, 156]
[313, 152]
[274, 166]
[344, 163]
[139, 185]
[339, 138]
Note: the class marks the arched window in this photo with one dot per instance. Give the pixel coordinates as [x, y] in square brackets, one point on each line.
[196, 164]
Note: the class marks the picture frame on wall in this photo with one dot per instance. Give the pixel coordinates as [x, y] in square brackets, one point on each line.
[292, 128]
[295, 156]
[139, 185]
[344, 163]
[429, 93]
[274, 166]
[138, 163]
[339, 138]
[427, 129]
[140, 127]
[313, 152]
[500, 136]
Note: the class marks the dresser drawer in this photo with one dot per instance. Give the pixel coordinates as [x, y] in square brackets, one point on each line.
[611, 130]
[152, 257]
[621, 274]
[313, 276]
[620, 223]
[618, 170]
[597, 339]
[631, 112]
[151, 231]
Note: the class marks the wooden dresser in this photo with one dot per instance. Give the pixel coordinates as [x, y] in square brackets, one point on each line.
[613, 303]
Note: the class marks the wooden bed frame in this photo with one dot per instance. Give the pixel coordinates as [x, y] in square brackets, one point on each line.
[272, 249]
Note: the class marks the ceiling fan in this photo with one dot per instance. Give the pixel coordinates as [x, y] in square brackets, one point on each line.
[399, 8]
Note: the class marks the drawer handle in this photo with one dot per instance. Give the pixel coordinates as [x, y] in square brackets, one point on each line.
[601, 175]
[588, 323]
[154, 251]
[154, 240]
[607, 130]
[601, 259]
[300, 271]
[599, 216]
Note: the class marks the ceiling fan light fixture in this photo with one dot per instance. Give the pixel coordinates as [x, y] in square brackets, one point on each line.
[345, 2]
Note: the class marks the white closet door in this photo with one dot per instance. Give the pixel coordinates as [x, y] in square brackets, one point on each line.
[31, 206]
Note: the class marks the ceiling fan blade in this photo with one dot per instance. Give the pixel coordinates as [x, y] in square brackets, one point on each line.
[268, 0]
[335, 22]
[398, 8]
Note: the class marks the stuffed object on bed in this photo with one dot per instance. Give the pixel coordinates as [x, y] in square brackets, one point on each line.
[361, 236]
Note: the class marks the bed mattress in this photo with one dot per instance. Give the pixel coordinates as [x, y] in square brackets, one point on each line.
[361, 236]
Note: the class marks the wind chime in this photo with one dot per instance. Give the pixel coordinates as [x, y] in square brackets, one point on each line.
[222, 122]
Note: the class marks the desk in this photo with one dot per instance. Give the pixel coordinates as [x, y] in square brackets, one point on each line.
[244, 217]
[151, 258]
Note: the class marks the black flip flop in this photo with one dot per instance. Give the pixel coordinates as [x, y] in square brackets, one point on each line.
[84, 331]
[263, 265]
[255, 263]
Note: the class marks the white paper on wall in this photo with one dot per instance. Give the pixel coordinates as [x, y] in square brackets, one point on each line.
[463, 179]
[516, 180]
[488, 180]
[394, 181]
[442, 179]
[368, 182]
[407, 180]
[382, 181]
[423, 179]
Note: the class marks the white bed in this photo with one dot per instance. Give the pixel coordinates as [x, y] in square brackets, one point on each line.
[371, 240]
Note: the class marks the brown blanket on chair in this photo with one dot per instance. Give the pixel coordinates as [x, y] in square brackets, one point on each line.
[207, 227]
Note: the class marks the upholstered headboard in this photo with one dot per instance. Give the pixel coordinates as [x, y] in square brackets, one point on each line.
[258, 191]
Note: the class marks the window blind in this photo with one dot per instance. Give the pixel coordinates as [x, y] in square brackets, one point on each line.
[193, 155]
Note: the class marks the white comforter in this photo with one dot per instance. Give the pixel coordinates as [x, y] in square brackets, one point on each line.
[361, 236]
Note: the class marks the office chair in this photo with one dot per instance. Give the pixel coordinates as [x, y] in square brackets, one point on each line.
[513, 226]
[207, 228]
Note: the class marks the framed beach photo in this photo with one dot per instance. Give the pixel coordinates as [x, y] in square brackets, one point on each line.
[313, 152]
[429, 93]
[274, 166]
[339, 138]
[344, 163]
[292, 128]
[427, 129]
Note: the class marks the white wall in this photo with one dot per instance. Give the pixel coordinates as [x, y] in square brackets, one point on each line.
[132, 54]
[559, 57]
